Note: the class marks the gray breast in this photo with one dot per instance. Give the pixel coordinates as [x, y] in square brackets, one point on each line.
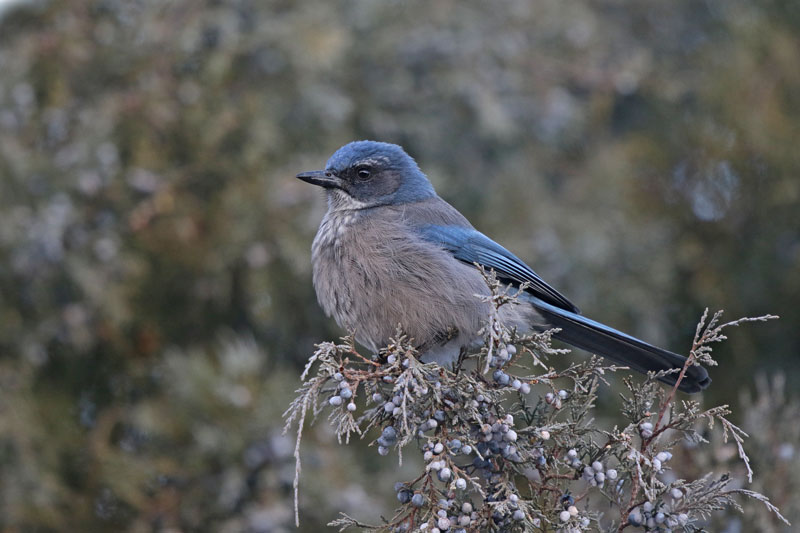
[371, 273]
[332, 264]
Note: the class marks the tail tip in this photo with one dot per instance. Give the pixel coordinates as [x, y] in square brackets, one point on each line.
[693, 385]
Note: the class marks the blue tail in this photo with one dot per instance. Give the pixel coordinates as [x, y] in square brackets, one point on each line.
[621, 348]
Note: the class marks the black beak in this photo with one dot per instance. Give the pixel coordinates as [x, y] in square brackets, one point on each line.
[321, 178]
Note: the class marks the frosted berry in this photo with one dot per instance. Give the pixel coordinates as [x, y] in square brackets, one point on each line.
[572, 454]
[572, 510]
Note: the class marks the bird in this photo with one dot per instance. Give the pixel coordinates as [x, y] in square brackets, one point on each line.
[390, 252]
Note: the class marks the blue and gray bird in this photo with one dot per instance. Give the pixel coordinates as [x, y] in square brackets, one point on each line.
[390, 252]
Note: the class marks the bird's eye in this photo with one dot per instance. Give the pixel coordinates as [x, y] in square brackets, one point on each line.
[363, 173]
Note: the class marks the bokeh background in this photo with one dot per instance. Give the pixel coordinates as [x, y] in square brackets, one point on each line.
[155, 291]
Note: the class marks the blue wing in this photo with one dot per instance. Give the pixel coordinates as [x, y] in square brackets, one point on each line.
[472, 246]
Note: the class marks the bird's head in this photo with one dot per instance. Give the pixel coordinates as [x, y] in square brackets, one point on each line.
[368, 174]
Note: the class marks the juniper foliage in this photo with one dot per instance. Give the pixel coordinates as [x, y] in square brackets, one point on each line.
[510, 443]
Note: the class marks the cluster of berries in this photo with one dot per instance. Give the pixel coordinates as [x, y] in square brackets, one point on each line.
[571, 513]
[344, 393]
[504, 355]
[449, 516]
[596, 474]
[489, 443]
[556, 399]
[506, 516]
[658, 517]
[496, 437]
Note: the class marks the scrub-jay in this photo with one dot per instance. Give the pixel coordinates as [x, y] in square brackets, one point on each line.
[389, 251]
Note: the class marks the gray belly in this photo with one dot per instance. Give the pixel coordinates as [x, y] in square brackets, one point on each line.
[372, 280]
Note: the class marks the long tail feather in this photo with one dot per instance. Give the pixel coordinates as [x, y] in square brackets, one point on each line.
[619, 347]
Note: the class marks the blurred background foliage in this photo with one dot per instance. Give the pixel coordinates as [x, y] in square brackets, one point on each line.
[155, 292]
